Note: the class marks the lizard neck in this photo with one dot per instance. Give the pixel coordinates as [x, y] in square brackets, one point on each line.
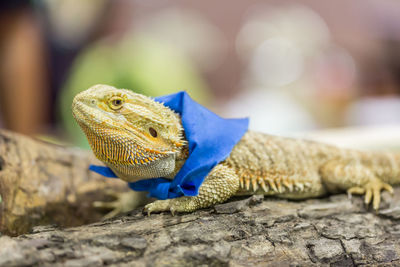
[180, 159]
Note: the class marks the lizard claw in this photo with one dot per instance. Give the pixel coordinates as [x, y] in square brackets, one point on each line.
[113, 206]
[150, 208]
[372, 191]
[158, 206]
[172, 210]
[175, 205]
[124, 202]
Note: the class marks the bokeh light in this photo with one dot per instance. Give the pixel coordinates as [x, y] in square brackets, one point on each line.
[289, 66]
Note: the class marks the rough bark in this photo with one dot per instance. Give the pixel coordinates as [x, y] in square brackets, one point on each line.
[243, 232]
[41, 183]
[251, 232]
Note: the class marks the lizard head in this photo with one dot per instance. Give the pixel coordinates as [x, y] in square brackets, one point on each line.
[134, 135]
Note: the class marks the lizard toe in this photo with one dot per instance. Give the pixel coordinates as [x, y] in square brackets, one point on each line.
[113, 206]
[368, 196]
[376, 187]
[173, 211]
[372, 191]
[124, 202]
[355, 190]
[388, 188]
[104, 204]
[377, 198]
[157, 206]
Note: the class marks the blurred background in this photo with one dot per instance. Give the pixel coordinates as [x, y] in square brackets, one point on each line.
[291, 66]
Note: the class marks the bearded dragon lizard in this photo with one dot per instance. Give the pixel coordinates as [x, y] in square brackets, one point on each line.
[139, 138]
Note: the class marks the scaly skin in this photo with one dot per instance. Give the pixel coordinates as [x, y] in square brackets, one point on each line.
[139, 138]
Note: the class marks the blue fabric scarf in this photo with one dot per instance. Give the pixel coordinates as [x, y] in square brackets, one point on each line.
[211, 139]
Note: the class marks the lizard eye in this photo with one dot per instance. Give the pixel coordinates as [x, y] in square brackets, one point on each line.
[153, 132]
[116, 102]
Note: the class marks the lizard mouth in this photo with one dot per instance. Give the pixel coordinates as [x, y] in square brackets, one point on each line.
[89, 116]
[80, 112]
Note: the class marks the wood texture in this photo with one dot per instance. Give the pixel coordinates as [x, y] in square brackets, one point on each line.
[252, 232]
[42, 183]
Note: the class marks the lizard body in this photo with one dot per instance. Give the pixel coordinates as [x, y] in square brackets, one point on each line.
[139, 138]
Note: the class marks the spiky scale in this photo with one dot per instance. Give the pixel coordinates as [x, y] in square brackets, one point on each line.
[247, 180]
[241, 182]
[254, 185]
[299, 186]
[263, 186]
[272, 185]
[288, 185]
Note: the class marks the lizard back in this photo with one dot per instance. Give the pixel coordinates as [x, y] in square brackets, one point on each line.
[272, 165]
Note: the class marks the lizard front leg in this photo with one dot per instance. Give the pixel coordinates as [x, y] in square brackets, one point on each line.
[124, 202]
[354, 177]
[219, 186]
